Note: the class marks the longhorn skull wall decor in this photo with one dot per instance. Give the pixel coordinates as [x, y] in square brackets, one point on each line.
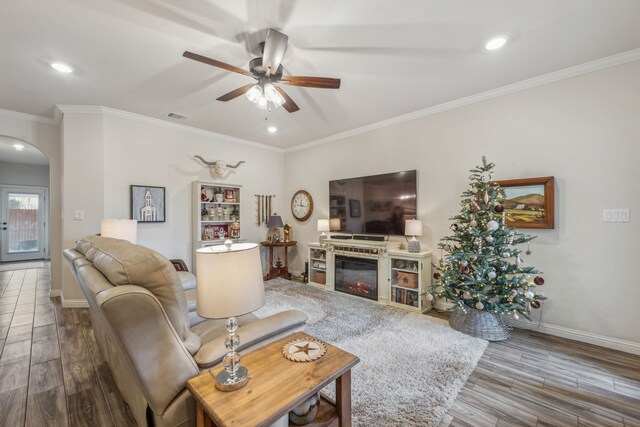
[219, 168]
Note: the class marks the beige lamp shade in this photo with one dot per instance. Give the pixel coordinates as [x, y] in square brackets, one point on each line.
[334, 224]
[323, 225]
[413, 227]
[126, 229]
[228, 280]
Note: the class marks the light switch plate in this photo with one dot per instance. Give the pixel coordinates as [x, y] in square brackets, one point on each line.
[78, 215]
[615, 215]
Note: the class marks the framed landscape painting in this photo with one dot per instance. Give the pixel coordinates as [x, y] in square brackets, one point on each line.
[529, 202]
[147, 203]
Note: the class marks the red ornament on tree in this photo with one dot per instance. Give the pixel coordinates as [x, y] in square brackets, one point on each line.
[498, 208]
[535, 304]
[538, 280]
[436, 275]
[464, 269]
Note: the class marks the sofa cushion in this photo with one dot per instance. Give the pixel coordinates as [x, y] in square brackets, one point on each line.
[124, 263]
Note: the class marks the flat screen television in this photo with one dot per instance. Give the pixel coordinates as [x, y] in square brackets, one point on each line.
[377, 204]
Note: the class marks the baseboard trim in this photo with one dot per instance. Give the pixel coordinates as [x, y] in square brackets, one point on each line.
[74, 303]
[55, 293]
[574, 334]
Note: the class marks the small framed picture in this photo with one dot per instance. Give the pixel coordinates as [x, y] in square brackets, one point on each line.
[148, 203]
[529, 202]
[220, 231]
[230, 196]
[354, 208]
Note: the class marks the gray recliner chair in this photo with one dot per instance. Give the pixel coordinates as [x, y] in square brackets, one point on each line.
[151, 340]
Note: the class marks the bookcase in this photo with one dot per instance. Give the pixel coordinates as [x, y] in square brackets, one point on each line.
[217, 213]
[317, 265]
[409, 280]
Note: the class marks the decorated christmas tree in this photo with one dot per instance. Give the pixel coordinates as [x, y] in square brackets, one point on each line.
[481, 267]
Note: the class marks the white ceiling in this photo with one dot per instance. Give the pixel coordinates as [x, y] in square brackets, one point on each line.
[29, 155]
[393, 57]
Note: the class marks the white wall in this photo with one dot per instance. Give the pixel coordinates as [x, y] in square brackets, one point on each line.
[107, 152]
[582, 130]
[44, 135]
[23, 174]
[147, 154]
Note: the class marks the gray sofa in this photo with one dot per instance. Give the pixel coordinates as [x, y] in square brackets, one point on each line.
[146, 326]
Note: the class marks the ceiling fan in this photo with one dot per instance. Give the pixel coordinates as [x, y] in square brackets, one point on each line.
[267, 70]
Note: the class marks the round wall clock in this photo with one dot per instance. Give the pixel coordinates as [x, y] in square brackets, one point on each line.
[301, 205]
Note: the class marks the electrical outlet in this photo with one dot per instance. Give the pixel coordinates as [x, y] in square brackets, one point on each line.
[615, 215]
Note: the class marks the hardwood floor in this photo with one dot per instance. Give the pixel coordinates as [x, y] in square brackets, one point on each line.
[52, 373]
[533, 379]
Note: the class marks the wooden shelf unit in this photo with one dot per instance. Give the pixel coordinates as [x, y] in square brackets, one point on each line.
[205, 230]
[409, 280]
[318, 265]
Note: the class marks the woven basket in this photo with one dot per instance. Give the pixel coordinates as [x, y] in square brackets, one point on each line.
[479, 323]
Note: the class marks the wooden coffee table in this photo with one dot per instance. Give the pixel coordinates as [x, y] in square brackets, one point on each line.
[276, 386]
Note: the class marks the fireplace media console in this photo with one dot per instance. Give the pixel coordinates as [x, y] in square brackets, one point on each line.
[376, 269]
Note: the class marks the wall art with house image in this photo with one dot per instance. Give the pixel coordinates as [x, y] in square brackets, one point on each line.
[529, 202]
[148, 203]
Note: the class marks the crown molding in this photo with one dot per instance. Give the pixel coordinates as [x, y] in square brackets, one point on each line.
[28, 117]
[96, 109]
[577, 70]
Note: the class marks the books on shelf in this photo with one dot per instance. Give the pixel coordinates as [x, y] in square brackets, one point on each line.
[405, 296]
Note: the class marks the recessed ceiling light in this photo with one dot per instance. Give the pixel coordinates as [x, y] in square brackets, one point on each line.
[18, 147]
[61, 67]
[272, 129]
[495, 43]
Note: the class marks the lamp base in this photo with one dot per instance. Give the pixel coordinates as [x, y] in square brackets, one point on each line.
[413, 246]
[224, 382]
[323, 237]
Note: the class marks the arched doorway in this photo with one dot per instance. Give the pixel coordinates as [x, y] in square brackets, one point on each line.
[24, 201]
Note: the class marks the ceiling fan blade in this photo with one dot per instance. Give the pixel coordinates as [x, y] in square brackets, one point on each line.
[319, 82]
[236, 93]
[288, 105]
[275, 46]
[216, 63]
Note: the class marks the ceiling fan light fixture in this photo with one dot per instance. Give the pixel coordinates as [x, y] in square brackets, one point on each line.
[278, 100]
[270, 92]
[254, 94]
[263, 103]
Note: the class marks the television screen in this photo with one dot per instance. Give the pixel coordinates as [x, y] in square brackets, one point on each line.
[377, 204]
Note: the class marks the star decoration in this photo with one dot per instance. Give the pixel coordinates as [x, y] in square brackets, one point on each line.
[405, 280]
[303, 349]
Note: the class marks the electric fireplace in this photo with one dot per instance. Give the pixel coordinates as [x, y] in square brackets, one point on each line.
[357, 276]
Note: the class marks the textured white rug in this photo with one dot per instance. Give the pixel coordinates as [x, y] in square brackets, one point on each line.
[411, 366]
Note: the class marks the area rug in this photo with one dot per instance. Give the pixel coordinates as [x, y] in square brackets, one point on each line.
[411, 366]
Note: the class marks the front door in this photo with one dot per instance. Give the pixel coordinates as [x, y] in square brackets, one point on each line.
[24, 215]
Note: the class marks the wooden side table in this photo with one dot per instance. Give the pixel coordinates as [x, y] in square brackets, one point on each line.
[276, 386]
[279, 269]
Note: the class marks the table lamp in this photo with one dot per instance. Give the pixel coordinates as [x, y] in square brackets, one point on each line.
[334, 224]
[274, 224]
[413, 227]
[126, 229]
[323, 225]
[229, 284]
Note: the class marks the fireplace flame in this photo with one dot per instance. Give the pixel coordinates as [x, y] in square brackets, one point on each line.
[362, 288]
